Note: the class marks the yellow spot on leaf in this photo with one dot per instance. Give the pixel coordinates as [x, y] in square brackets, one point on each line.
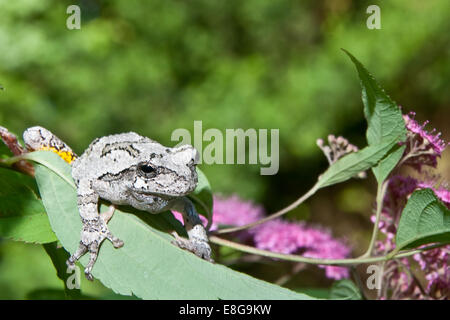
[67, 156]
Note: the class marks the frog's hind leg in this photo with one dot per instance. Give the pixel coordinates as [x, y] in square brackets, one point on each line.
[39, 138]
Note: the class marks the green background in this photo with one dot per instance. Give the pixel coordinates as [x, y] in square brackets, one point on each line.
[155, 66]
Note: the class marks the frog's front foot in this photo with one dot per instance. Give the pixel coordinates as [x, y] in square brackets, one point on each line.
[92, 235]
[200, 247]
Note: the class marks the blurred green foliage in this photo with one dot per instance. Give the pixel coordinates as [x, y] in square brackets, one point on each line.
[26, 270]
[154, 66]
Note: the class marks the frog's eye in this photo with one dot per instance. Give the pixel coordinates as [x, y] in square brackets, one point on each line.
[147, 170]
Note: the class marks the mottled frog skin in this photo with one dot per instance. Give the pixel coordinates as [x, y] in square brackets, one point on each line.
[128, 169]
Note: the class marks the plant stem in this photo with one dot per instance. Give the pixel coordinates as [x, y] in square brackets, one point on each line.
[4, 165]
[272, 216]
[18, 163]
[11, 160]
[297, 258]
[381, 192]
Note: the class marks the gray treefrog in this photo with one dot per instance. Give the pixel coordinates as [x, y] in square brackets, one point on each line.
[128, 169]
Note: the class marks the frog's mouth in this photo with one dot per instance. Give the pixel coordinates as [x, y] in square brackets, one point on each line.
[164, 196]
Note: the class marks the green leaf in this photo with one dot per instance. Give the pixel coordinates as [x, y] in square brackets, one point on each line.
[54, 162]
[148, 265]
[22, 214]
[385, 123]
[424, 220]
[353, 163]
[388, 163]
[384, 117]
[386, 128]
[345, 290]
[202, 196]
[319, 293]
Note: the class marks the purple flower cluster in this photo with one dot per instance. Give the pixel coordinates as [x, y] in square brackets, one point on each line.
[436, 266]
[231, 211]
[401, 284]
[423, 148]
[296, 237]
[278, 235]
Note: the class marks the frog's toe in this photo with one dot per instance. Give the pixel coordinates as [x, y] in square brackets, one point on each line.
[117, 243]
[93, 251]
[88, 275]
[82, 248]
[203, 250]
[199, 247]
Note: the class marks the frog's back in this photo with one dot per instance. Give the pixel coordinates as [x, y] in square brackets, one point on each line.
[108, 155]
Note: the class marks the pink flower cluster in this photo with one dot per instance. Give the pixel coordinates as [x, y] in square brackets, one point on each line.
[433, 263]
[401, 187]
[231, 211]
[422, 147]
[398, 278]
[436, 266]
[296, 237]
[278, 235]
